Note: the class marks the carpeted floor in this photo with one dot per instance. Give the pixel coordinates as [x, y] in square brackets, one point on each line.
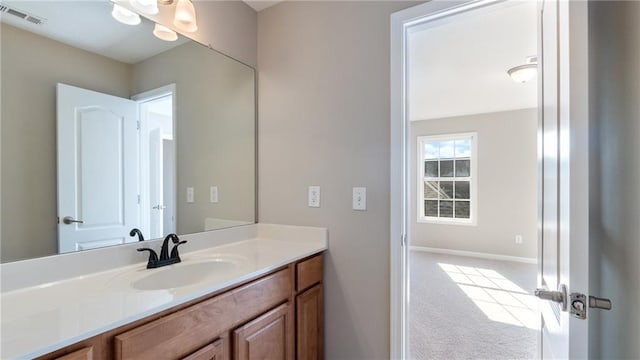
[469, 308]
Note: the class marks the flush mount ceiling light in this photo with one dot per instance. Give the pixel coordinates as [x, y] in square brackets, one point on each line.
[124, 15]
[185, 16]
[164, 33]
[149, 7]
[525, 72]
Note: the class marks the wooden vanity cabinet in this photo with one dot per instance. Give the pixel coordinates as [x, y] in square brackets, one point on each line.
[180, 333]
[270, 336]
[309, 309]
[277, 316]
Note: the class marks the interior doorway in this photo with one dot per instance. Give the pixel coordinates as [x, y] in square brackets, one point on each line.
[157, 161]
[472, 169]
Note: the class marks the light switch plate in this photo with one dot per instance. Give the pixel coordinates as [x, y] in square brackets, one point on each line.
[359, 198]
[213, 194]
[314, 196]
[190, 195]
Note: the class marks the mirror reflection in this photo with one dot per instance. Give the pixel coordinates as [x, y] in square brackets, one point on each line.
[107, 128]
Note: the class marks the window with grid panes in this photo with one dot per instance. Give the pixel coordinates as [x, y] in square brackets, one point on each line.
[446, 187]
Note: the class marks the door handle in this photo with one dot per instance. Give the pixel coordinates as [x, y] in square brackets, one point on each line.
[559, 296]
[579, 302]
[69, 220]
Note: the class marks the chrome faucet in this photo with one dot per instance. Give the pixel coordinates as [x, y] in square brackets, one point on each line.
[165, 259]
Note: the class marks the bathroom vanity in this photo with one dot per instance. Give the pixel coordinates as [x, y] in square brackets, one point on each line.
[241, 291]
[256, 292]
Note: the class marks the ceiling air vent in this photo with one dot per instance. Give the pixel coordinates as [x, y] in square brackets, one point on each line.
[22, 15]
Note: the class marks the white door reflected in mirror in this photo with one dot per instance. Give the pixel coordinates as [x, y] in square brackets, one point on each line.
[97, 168]
[116, 172]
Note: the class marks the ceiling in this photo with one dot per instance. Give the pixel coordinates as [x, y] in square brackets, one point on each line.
[259, 5]
[458, 65]
[83, 24]
[63, 19]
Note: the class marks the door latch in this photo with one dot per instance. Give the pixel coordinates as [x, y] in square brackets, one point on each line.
[578, 307]
[575, 303]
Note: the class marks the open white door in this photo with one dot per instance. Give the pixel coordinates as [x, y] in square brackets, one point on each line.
[557, 233]
[564, 181]
[156, 218]
[168, 186]
[97, 168]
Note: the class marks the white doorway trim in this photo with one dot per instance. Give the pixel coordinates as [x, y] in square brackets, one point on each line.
[568, 103]
[400, 22]
[145, 97]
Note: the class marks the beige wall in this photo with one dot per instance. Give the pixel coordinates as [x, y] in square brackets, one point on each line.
[614, 86]
[31, 67]
[324, 120]
[215, 126]
[506, 181]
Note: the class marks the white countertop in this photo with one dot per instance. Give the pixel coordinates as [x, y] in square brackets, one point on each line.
[42, 318]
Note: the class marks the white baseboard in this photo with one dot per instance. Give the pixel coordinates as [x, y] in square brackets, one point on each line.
[475, 254]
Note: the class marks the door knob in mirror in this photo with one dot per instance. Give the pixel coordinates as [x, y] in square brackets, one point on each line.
[70, 220]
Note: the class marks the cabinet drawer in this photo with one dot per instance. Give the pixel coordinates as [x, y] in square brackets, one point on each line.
[82, 354]
[218, 350]
[181, 333]
[308, 272]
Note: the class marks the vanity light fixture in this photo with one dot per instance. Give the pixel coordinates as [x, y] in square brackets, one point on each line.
[164, 33]
[149, 7]
[525, 72]
[185, 16]
[125, 15]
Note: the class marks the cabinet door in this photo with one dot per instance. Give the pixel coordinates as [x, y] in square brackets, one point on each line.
[309, 324]
[270, 336]
[217, 350]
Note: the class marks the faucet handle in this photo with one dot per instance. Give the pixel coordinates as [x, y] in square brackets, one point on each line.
[174, 251]
[153, 258]
[175, 239]
[135, 231]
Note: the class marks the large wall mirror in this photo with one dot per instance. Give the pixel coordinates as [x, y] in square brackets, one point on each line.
[106, 128]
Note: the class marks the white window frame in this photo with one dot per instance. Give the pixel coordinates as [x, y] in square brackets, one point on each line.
[473, 179]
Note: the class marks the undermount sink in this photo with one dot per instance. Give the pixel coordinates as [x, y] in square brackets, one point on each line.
[184, 274]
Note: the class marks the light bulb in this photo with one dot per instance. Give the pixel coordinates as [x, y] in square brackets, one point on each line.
[149, 7]
[164, 33]
[185, 16]
[125, 15]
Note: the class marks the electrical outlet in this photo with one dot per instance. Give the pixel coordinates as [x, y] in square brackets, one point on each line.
[213, 194]
[190, 195]
[359, 198]
[519, 239]
[314, 196]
